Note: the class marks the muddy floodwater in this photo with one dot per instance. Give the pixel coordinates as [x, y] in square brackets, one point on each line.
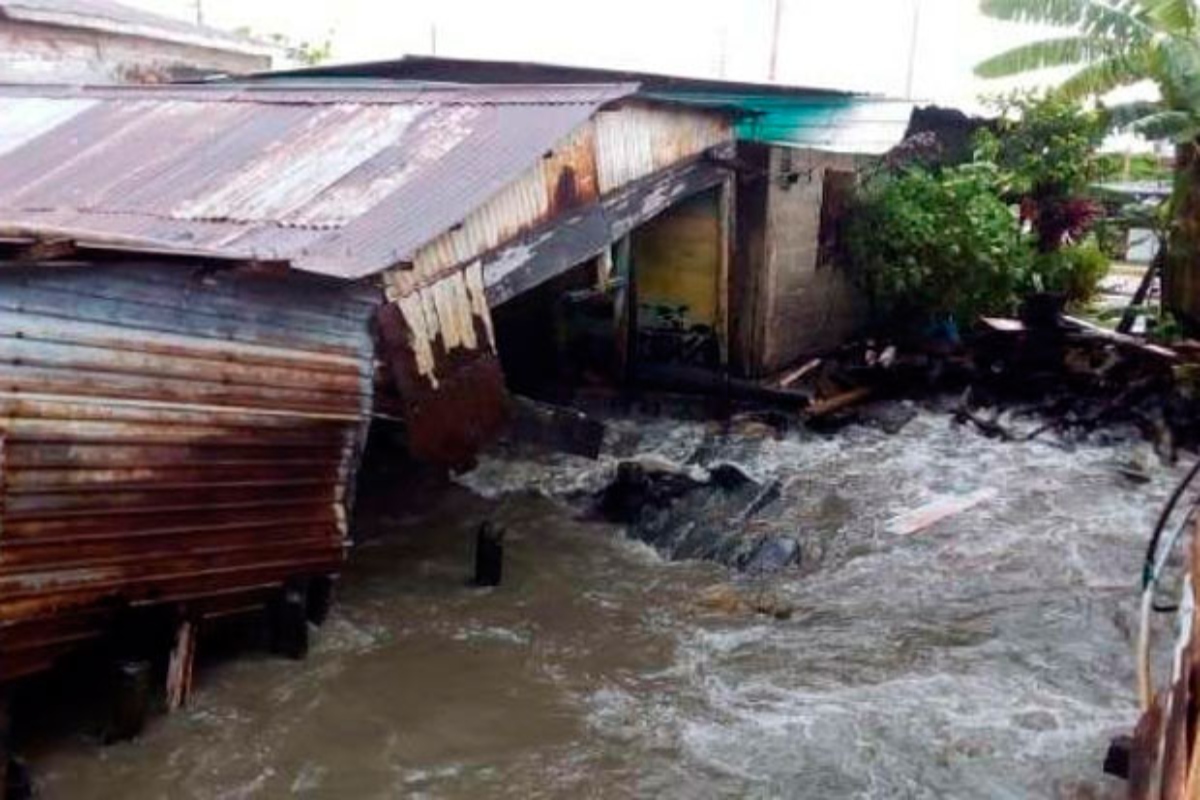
[986, 656]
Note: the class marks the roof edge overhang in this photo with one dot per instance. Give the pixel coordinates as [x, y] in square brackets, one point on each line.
[369, 93]
[485, 71]
[26, 234]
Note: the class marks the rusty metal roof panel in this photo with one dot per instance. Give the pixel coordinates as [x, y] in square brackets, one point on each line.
[364, 91]
[30, 117]
[367, 175]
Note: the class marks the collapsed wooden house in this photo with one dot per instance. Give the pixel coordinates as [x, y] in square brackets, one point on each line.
[198, 283]
[207, 290]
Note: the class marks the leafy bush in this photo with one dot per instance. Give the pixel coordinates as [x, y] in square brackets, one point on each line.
[1075, 271]
[938, 245]
[962, 241]
[1043, 145]
[1045, 148]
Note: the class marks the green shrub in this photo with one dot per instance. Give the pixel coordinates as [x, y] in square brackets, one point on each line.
[1075, 270]
[932, 246]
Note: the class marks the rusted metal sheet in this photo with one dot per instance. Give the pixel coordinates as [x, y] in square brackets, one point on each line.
[30, 117]
[346, 182]
[602, 158]
[546, 253]
[560, 178]
[170, 435]
[552, 218]
[452, 394]
[638, 139]
[570, 239]
[440, 349]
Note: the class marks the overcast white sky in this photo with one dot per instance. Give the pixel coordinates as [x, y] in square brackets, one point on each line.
[851, 44]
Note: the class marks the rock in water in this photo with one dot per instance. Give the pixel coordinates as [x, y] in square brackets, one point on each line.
[773, 554]
[704, 514]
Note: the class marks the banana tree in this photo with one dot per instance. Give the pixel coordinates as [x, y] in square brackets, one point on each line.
[1119, 43]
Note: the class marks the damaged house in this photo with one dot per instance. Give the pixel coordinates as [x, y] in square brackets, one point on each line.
[204, 288]
[798, 151]
[209, 292]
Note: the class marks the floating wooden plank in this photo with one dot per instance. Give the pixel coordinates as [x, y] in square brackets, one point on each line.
[932, 513]
[795, 375]
[839, 402]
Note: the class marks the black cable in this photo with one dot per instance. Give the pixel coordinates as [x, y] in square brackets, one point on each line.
[1163, 518]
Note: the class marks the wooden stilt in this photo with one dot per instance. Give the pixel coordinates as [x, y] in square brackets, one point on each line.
[489, 554]
[320, 598]
[289, 623]
[5, 742]
[130, 700]
[179, 670]
[15, 783]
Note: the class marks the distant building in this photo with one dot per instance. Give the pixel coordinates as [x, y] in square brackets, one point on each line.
[98, 41]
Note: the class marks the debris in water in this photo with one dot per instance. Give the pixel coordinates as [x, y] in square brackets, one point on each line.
[839, 402]
[711, 514]
[726, 599]
[795, 375]
[930, 514]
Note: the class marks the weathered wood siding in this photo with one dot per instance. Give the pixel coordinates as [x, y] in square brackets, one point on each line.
[169, 435]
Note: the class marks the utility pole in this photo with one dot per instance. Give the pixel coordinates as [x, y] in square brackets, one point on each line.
[199, 12]
[433, 39]
[912, 50]
[722, 51]
[772, 73]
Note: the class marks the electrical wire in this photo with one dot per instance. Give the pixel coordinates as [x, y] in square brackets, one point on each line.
[1148, 565]
[1152, 569]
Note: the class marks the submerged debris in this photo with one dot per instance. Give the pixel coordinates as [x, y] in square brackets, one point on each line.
[710, 514]
[932, 513]
[1065, 375]
[731, 600]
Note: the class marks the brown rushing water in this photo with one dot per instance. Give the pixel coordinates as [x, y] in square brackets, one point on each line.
[989, 656]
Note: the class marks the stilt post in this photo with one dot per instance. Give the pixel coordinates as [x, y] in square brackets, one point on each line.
[181, 665]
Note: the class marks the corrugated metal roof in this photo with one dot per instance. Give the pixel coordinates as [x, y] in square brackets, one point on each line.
[344, 182]
[856, 124]
[481, 71]
[104, 15]
[800, 116]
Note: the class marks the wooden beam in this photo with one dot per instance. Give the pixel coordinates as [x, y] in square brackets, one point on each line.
[181, 665]
[1130, 314]
[49, 249]
[570, 239]
[624, 309]
[726, 201]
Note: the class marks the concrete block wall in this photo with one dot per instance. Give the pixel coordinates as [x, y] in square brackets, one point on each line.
[804, 307]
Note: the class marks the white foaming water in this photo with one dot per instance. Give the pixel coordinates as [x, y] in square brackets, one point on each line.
[987, 655]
